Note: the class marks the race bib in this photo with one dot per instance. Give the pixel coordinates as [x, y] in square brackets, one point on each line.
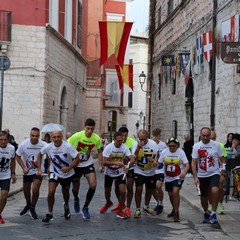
[173, 170]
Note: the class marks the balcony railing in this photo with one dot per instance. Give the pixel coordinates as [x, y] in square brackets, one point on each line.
[5, 26]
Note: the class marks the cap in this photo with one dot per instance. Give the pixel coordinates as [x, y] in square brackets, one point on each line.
[172, 139]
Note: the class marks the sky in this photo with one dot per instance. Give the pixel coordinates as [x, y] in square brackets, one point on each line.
[138, 12]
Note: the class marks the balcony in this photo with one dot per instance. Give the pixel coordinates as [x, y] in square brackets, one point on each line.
[5, 27]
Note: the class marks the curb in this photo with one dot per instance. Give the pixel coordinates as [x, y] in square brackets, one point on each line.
[11, 193]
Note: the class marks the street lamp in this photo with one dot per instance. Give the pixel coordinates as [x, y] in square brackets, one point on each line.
[142, 79]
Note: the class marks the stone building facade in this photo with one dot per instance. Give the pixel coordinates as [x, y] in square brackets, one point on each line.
[181, 108]
[46, 81]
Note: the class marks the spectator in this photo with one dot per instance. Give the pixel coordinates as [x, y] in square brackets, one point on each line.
[104, 141]
[187, 148]
[11, 139]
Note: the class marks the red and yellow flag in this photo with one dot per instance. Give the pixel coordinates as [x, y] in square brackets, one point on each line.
[114, 37]
[125, 75]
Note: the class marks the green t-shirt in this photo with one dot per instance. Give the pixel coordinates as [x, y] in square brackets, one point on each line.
[129, 143]
[84, 146]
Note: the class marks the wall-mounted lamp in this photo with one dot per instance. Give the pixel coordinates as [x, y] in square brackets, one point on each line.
[142, 79]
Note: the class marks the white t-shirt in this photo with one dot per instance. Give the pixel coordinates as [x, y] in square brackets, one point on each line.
[6, 156]
[173, 163]
[29, 153]
[161, 146]
[115, 155]
[143, 167]
[60, 157]
[208, 158]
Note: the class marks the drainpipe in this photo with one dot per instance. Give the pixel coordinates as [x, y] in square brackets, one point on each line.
[213, 86]
[150, 57]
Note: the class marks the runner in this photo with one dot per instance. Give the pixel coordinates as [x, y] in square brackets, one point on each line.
[145, 151]
[26, 156]
[176, 167]
[7, 169]
[130, 175]
[113, 158]
[159, 172]
[84, 142]
[205, 157]
[63, 158]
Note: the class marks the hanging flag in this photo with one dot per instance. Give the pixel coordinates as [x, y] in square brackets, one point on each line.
[114, 37]
[178, 65]
[199, 49]
[167, 60]
[173, 72]
[184, 62]
[125, 75]
[207, 45]
[187, 73]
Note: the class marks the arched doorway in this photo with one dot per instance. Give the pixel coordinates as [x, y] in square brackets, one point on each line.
[189, 106]
[63, 107]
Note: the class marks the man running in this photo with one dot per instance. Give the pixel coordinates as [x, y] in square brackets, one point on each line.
[63, 158]
[159, 172]
[114, 160]
[144, 173]
[130, 175]
[84, 141]
[7, 169]
[26, 156]
[205, 157]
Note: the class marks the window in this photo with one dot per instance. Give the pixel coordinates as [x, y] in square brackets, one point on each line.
[170, 6]
[130, 97]
[79, 25]
[159, 16]
[159, 86]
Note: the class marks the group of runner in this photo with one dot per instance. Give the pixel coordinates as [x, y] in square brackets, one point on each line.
[125, 161]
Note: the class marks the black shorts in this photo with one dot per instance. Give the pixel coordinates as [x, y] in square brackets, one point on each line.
[5, 184]
[130, 173]
[159, 177]
[64, 182]
[176, 183]
[29, 178]
[79, 171]
[108, 181]
[208, 182]
[149, 181]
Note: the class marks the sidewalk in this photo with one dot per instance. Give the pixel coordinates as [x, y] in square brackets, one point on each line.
[229, 221]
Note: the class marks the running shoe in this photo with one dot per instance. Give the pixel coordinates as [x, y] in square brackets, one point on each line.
[220, 209]
[67, 213]
[149, 211]
[85, 213]
[1, 220]
[137, 213]
[176, 217]
[25, 210]
[121, 214]
[206, 217]
[116, 207]
[105, 207]
[47, 218]
[213, 218]
[33, 213]
[158, 209]
[76, 206]
[128, 212]
[171, 214]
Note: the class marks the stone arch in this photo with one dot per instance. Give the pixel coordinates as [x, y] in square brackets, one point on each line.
[63, 104]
